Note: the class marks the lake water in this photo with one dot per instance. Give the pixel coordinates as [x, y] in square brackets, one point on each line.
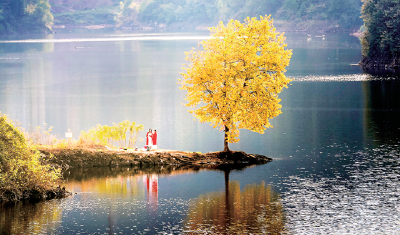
[336, 145]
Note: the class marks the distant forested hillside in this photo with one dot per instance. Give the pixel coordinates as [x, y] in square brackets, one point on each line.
[341, 14]
[298, 14]
[84, 12]
[327, 15]
[18, 16]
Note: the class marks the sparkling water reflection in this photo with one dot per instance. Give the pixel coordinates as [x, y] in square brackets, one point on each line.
[364, 199]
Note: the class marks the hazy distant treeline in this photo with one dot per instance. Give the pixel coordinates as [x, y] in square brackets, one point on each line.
[343, 14]
[22, 15]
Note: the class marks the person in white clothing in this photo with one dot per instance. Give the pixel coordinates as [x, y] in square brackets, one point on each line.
[149, 138]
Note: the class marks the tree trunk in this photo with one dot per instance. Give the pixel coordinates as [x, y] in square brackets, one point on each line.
[226, 147]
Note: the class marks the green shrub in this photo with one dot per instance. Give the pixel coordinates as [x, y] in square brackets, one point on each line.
[22, 173]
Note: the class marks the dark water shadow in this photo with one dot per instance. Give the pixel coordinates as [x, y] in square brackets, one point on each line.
[382, 102]
[383, 72]
[82, 174]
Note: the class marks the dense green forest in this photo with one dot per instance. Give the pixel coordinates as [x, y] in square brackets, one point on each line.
[36, 15]
[381, 41]
[17, 16]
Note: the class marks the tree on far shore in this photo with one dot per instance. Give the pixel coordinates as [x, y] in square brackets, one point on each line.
[20, 16]
[382, 35]
[234, 82]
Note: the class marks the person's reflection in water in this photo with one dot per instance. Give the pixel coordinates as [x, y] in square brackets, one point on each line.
[152, 193]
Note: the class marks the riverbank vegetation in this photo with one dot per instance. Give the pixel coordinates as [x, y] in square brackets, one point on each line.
[23, 174]
[235, 81]
[28, 168]
[125, 134]
[116, 146]
[122, 135]
[381, 40]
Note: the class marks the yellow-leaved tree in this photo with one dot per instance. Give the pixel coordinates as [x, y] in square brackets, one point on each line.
[234, 82]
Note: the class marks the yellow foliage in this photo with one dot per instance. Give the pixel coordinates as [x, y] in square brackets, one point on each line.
[107, 135]
[30, 8]
[21, 167]
[234, 82]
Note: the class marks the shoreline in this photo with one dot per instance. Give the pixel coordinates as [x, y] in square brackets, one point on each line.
[281, 26]
[380, 66]
[34, 195]
[380, 62]
[67, 158]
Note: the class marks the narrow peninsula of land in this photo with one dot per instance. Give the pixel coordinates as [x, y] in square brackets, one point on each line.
[101, 156]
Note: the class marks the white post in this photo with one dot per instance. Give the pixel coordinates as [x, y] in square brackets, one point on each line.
[68, 134]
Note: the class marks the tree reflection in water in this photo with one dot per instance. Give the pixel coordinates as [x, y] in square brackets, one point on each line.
[28, 218]
[127, 201]
[255, 210]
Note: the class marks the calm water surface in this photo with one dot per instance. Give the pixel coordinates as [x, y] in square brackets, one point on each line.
[336, 146]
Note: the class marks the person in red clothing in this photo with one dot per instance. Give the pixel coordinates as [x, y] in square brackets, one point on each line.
[154, 138]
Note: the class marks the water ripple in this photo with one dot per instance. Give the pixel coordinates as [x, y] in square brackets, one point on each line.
[367, 201]
[90, 215]
[342, 78]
